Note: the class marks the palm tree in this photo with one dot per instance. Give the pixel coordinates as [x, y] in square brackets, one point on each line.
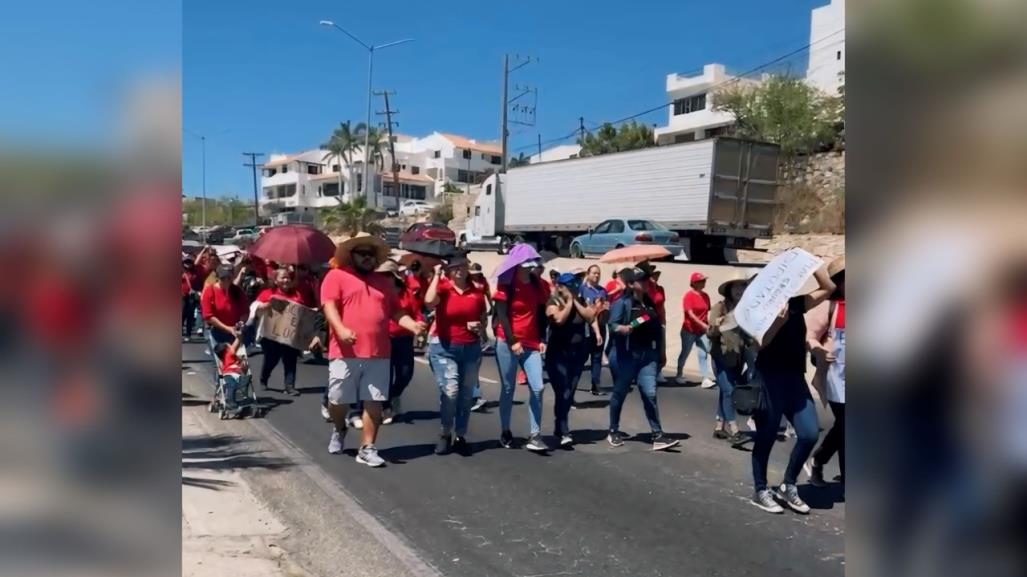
[352, 217]
[342, 144]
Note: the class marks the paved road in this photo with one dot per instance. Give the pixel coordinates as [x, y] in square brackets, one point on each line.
[591, 511]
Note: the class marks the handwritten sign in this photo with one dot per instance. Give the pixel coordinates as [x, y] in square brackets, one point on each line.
[769, 292]
[290, 324]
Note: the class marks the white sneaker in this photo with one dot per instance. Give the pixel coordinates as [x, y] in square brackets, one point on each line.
[479, 404]
[335, 445]
[751, 423]
[356, 422]
[386, 417]
[708, 383]
[368, 455]
[325, 414]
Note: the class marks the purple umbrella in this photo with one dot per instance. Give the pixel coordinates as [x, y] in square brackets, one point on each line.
[518, 255]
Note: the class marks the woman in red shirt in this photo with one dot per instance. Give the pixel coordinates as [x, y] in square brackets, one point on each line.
[454, 347]
[520, 327]
[401, 360]
[696, 305]
[284, 290]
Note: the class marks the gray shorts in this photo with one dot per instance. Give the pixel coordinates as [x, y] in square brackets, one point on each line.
[354, 380]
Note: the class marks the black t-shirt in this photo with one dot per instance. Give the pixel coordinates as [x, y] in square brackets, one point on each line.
[786, 353]
[570, 333]
[647, 332]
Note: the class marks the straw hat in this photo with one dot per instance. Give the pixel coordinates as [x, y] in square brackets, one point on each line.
[342, 256]
[837, 265]
[391, 267]
[725, 287]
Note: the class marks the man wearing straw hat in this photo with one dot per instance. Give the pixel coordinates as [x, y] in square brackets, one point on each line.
[358, 303]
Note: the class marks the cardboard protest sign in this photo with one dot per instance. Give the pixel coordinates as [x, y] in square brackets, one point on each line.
[769, 292]
[290, 324]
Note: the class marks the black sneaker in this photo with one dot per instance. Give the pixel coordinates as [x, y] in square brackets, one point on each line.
[506, 440]
[460, 446]
[738, 439]
[789, 495]
[292, 392]
[616, 438]
[444, 445]
[597, 393]
[816, 476]
[537, 444]
[661, 442]
[720, 434]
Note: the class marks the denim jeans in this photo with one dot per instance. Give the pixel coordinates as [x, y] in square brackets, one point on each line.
[476, 388]
[564, 367]
[214, 338]
[401, 365]
[641, 367]
[785, 395]
[596, 353]
[453, 364]
[726, 381]
[273, 353]
[834, 441]
[232, 385]
[189, 303]
[531, 362]
[703, 343]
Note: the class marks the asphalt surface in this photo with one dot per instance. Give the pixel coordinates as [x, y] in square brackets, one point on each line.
[592, 511]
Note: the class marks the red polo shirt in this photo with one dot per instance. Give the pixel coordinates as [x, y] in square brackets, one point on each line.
[455, 310]
[229, 306]
[408, 305]
[699, 304]
[523, 308]
[365, 303]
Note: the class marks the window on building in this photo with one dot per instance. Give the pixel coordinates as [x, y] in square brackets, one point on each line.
[402, 167]
[477, 211]
[313, 169]
[463, 176]
[467, 154]
[690, 104]
[269, 172]
[285, 168]
[438, 154]
[331, 189]
[335, 168]
[839, 55]
[488, 190]
[415, 170]
[686, 137]
[494, 159]
[289, 190]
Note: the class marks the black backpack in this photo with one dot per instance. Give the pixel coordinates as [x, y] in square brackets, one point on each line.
[748, 396]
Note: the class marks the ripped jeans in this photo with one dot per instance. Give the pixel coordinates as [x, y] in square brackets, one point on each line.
[454, 366]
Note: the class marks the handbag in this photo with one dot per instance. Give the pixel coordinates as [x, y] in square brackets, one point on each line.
[748, 396]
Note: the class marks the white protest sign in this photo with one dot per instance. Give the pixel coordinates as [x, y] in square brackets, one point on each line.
[768, 293]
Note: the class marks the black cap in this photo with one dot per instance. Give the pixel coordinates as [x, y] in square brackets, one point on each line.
[225, 271]
[458, 260]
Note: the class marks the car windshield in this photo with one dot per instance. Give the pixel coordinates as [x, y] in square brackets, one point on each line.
[644, 225]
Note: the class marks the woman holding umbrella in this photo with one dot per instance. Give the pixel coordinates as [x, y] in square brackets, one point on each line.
[520, 298]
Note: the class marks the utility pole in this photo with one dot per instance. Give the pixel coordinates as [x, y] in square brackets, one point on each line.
[203, 210]
[256, 203]
[581, 127]
[540, 147]
[392, 144]
[504, 132]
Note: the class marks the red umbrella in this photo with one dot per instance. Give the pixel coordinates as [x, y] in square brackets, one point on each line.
[294, 244]
[635, 253]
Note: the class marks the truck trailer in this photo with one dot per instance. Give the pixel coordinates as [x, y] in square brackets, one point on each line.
[719, 195]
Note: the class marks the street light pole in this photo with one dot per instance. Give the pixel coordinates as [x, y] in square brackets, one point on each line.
[203, 209]
[370, 71]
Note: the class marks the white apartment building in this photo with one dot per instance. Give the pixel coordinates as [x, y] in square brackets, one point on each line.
[826, 69]
[691, 115]
[562, 152]
[309, 180]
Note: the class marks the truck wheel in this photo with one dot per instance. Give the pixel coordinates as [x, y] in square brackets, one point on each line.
[576, 251]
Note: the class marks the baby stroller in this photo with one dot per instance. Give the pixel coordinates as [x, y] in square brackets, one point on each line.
[245, 396]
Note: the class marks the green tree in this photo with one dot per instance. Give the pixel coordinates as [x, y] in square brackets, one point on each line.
[785, 111]
[376, 145]
[341, 145]
[352, 217]
[607, 139]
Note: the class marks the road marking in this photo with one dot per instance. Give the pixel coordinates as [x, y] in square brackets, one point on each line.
[487, 380]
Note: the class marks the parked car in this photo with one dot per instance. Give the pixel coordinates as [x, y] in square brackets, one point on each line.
[430, 237]
[618, 233]
[415, 207]
[391, 234]
[242, 235]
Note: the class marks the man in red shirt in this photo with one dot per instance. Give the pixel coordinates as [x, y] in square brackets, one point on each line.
[358, 303]
[696, 305]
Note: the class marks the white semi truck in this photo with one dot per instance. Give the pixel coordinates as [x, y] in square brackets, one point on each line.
[719, 195]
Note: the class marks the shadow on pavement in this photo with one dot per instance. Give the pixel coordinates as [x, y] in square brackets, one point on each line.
[411, 416]
[401, 455]
[823, 498]
[217, 453]
[193, 401]
[597, 404]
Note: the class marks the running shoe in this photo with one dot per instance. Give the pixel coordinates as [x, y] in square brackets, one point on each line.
[479, 404]
[765, 500]
[368, 455]
[444, 445]
[708, 383]
[738, 439]
[681, 381]
[387, 416]
[789, 495]
[292, 392]
[616, 438]
[325, 414]
[566, 440]
[720, 434]
[506, 440]
[661, 442]
[460, 446]
[537, 444]
[597, 393]
[356, 422]
[335, 445]
[816, 475]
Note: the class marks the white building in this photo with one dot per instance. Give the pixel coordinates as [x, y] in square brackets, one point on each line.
[826, 69]
[561, 152]
[691, 115]
[311, 180]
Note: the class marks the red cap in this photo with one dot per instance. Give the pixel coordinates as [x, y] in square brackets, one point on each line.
[696, 277]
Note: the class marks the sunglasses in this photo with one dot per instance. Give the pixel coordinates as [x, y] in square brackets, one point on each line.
[364, 253]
